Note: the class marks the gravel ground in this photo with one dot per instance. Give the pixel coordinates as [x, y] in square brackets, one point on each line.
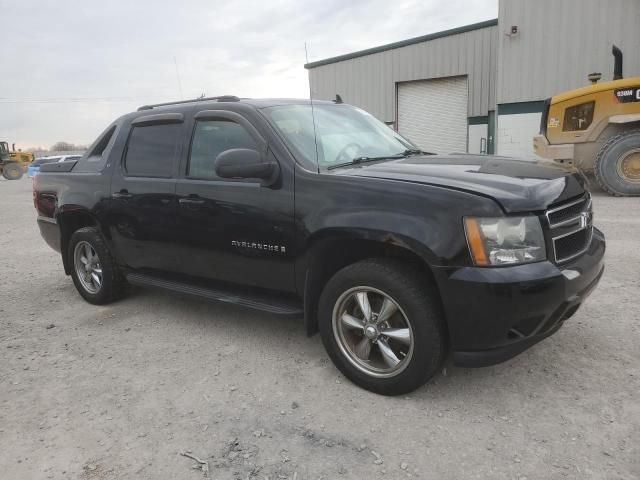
[121, 391]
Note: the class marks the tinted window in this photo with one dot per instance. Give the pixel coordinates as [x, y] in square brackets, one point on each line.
[42, 161]
[578, 117]
[96, 159]
[152, 149]
[210, 139]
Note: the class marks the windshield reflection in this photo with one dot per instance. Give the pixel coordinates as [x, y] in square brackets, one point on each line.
[342, 134]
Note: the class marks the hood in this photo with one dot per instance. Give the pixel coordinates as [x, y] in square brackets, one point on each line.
[517, 185]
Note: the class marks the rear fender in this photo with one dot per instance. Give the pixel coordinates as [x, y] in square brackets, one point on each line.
[69, 220]
[622, 119]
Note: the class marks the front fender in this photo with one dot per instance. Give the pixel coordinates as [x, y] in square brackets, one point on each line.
[331, 249]
[353, 218]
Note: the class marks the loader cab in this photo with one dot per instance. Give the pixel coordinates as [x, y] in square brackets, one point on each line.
[4, 151]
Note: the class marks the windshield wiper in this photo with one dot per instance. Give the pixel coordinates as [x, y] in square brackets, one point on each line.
[416, 151]
[359, 160]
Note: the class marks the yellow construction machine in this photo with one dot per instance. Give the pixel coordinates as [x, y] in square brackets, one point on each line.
[13, 163]
[597, 129]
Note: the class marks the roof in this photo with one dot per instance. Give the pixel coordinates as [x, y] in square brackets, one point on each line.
[404, 43]
[597, 88]
[217, 102]
[241, 104]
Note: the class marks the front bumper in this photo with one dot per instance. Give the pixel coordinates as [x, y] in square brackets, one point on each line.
[494, 314]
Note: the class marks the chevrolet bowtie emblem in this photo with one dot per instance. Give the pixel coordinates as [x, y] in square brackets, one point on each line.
[584, 220]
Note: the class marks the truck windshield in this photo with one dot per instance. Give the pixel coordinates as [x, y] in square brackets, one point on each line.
[344, 134]
[4, 147]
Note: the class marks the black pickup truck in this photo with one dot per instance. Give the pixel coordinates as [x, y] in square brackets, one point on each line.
[397, 256]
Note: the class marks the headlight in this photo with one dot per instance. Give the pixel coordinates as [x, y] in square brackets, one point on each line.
[505, 240]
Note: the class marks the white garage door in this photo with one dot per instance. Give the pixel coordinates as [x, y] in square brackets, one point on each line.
[433, 113]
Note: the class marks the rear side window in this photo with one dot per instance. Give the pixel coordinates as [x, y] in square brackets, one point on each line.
[42, 161]
[96, 158]
[152, 149]
[210, 139]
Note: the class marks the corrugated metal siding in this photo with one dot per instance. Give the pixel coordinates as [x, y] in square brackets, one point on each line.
[560, 42]
[370, 81]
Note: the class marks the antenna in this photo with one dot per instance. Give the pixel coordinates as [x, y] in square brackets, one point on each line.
[175, 62]
[313, 114]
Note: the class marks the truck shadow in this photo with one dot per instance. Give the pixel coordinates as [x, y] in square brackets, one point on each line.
[558, 359]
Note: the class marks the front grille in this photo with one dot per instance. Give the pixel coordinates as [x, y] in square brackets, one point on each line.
[569, 245]
[571, 227]
[571, 211]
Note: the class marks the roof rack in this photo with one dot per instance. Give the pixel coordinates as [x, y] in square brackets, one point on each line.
[222, 98]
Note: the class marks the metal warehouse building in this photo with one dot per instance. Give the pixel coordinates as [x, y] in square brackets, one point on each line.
[481, 88]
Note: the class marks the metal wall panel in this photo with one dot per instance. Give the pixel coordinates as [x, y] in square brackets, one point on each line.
[560, 42]
[370, 81]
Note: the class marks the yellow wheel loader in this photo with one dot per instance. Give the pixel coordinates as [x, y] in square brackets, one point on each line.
[597, 129]
[13, 162]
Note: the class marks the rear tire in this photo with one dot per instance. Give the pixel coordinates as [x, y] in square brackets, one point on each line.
[12, 171]
[94, 271]
[617, 168]
[389, 354]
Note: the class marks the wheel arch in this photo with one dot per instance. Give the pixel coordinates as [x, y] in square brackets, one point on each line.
[625, 119]
[70, 221]
[331, 250]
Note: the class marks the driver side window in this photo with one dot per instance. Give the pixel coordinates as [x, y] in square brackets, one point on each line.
[210, 139]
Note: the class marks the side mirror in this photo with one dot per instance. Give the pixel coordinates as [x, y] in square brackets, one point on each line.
[244, 163]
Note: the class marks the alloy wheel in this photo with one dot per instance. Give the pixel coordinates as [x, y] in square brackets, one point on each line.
[373, 332]
[88, 267]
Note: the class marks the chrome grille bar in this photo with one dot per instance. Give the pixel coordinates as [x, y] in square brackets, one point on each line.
[571, 226]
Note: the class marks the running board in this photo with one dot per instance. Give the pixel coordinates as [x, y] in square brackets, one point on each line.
[257, 301]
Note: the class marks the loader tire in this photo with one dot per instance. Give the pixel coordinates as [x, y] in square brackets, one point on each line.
[617, 168]
[12, 171]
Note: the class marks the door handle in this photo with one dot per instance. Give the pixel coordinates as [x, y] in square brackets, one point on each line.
[121, 194]
[191, 201]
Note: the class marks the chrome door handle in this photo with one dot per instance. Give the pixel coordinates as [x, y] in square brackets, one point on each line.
[191, 201]
[121, 194]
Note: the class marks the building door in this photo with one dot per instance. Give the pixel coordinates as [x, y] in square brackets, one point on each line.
[433, 113]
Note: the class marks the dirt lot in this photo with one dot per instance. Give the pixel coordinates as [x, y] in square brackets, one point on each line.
[120, 391]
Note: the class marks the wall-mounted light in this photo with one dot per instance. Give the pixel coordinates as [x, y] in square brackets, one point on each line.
[514, 31]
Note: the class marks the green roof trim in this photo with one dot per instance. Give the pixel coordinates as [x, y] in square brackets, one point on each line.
[404, 43]
[481, 120]
[521, 107]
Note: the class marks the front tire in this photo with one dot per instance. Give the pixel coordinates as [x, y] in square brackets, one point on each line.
[382, 325]
[12, 171]
[617, 168]
[94, 271]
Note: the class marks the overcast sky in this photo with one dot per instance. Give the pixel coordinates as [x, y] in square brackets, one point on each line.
[71, 67]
